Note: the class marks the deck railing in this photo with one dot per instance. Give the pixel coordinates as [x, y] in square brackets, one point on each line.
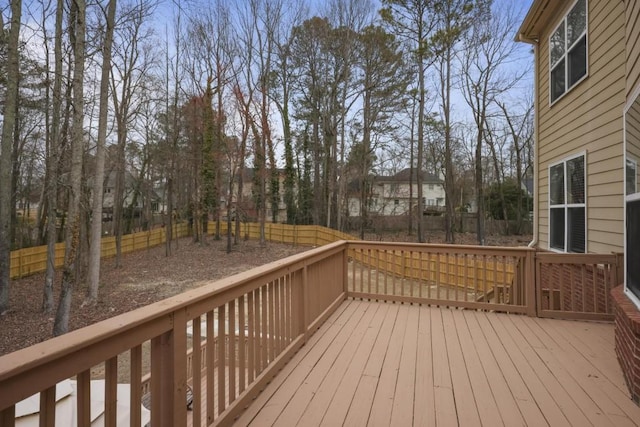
[227, 339]
[489, 278]
[576, 286]
[257, 321]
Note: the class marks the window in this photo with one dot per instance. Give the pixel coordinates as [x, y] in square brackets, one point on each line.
[631, 172]
[567, 208]
[431, 202]
[396, 202]
[430, 186]
[568, 51]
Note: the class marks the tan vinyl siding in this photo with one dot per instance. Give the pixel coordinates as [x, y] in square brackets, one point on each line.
[588, 118]
[632, 16]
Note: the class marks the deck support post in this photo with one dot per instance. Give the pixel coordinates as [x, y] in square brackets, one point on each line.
[531, 283]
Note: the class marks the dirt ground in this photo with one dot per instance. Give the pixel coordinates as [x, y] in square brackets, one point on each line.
[149, 276]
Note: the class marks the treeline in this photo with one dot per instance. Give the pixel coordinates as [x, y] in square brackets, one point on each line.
[143, 113]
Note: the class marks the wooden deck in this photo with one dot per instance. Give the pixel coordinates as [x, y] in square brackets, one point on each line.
[385, 364]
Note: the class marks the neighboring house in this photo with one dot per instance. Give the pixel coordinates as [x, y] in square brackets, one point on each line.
[580, 94]
[109, 189]
[391, 195]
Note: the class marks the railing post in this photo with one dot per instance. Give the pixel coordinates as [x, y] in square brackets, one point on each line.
[345, 269]
[83, 404]
[304, 306]
[161, 409]
[48, 406]
[531, 283]
[168, 375]
[8, 416]
[179, 369]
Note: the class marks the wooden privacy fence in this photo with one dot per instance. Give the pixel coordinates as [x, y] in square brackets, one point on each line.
[304, 235]
[34, 260]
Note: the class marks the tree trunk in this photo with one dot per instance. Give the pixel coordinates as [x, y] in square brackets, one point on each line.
[11, 102]
[420, 155]
[52, 164]
[98, 180]
[480, 229]
[448, 180]
[61, 325]
[413, 124]
[500, 180]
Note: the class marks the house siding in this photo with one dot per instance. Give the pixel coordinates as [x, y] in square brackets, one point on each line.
[633, 80]
[632, 16]
[588, 119]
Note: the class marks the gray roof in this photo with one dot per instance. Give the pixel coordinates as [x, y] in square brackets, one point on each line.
[405, 174]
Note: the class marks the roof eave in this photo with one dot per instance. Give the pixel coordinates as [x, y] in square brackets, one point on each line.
[538, 16]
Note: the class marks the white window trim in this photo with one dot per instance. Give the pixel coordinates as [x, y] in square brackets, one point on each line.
[566, 205]
[567, 49]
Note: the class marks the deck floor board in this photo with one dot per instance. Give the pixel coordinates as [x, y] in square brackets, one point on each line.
[376, 363]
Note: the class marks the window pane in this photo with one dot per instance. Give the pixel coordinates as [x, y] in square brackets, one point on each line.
[556, 45]
[578, 61]
[576, 224]
[576, 22]
[575, 180]
[631, 173]
[556, 188]
[557, 81]
[556, 233]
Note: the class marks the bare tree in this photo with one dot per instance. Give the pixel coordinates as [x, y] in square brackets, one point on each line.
[72, 237]
[488, 47]
[133, 58]
[284, 76]
[210, 53]
[53, 158]
[9, 113]
[383, 80]
[349, 18]
[520, 131]
[98, 181]
[172, 124]
[453, 18]
[413, 22]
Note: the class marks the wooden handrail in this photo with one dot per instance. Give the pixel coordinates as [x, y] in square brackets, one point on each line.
[40, 367]
[256, 320]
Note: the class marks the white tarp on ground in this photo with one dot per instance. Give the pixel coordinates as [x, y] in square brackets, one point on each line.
[27, 410]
